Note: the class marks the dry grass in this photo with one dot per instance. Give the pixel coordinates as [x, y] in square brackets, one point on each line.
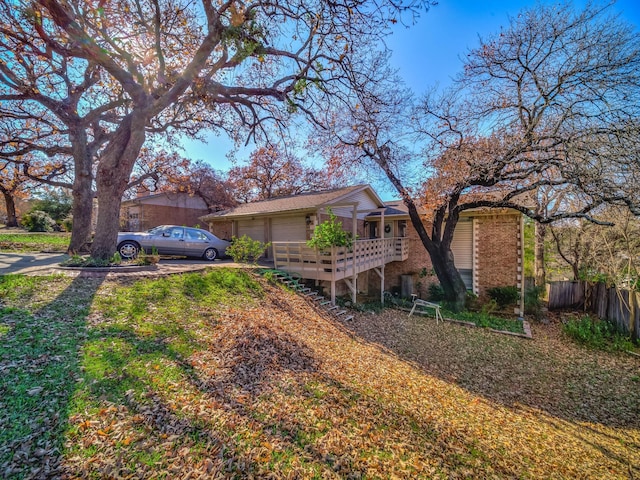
[265, 386]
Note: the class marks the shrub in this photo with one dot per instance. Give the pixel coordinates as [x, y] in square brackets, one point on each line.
[596, 333]
[532, 302]
[504, 296]
[67, 224]
[245, 249]
[57, 204]
[330, 234]
[436, 292]
[38, 221]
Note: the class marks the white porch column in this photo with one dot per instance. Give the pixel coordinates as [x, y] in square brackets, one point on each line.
[354, 233]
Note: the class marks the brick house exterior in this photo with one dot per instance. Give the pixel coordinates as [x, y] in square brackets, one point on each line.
[495, 249]
[487, 244]
[148, 211]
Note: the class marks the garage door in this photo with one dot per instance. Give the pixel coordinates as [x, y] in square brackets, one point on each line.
[252, 228]
[288, 229]
[462, 248]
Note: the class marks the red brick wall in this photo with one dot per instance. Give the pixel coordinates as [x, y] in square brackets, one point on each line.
[154, 215]
[418, 259]
[222, 229]
[498, 246]
[497, 257]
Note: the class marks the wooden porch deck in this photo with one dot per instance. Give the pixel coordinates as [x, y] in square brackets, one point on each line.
[339, 263]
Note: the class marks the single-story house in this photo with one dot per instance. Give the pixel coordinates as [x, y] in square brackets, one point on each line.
[487, 244]
[168, 208]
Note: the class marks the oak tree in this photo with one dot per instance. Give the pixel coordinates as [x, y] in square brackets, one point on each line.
[173, 64]
[551, 102]
[271, 172]
[13, 185]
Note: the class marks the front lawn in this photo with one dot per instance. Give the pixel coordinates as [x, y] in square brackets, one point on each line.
[223, 374]
[33, 242]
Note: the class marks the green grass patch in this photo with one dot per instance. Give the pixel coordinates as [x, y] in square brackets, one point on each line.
[482, 319]
[599, 334]
[485, 320]
[42, 329]
[34, 242]
[16, 287]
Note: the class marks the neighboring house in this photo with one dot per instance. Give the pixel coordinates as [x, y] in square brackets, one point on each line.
[148, 211]
[387, 255]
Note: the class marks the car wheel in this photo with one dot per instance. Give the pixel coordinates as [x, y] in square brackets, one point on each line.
[210, 254]
[128, 250]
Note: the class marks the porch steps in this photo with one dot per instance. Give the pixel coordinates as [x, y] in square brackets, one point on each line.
[295, 282]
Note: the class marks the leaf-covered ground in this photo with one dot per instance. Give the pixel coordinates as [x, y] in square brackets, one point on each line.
[222, 375]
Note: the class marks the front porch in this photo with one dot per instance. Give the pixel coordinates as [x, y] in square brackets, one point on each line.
[340, 263]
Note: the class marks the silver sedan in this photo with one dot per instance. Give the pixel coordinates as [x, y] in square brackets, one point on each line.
[172, 240]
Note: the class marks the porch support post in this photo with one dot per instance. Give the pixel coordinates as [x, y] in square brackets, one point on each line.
[380, 272]
[352, 287]
[354, 230]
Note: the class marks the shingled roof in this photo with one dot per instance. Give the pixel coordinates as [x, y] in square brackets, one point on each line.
[290, 203]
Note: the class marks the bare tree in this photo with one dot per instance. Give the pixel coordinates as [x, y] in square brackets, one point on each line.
[13, 185]
[51, 108]
[160, 171]
[173, 64]
[271, 172]
[549, 103]
[608, 253]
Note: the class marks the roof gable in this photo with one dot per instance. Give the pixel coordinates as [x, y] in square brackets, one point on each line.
[300, 202]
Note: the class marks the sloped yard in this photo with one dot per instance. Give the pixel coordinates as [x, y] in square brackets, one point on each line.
[223, 375]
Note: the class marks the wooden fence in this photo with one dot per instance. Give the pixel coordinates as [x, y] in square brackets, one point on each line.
[621, 307]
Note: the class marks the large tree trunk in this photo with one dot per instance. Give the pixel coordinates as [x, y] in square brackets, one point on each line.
[82, 207]
[10, 203]
[540, 270]
[112, 179]
[438, 248]
[455, 291]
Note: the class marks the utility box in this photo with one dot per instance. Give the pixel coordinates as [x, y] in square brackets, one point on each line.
[406, 286]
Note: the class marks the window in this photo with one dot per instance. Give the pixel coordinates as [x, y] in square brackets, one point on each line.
[195, 235]
[177, 232]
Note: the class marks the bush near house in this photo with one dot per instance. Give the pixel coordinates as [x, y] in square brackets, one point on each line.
[504, 296]
[245, 249]
[38, 221]
[330, 234]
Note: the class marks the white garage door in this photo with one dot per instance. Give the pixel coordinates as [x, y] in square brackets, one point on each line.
[252, 228]
[288, 229]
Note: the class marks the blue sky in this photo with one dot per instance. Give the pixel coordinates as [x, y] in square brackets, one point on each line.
[427, 53]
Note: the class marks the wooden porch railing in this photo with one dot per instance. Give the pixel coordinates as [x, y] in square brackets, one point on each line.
[339, 263]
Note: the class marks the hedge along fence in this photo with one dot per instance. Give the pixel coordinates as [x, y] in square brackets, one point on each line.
[621, 307]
